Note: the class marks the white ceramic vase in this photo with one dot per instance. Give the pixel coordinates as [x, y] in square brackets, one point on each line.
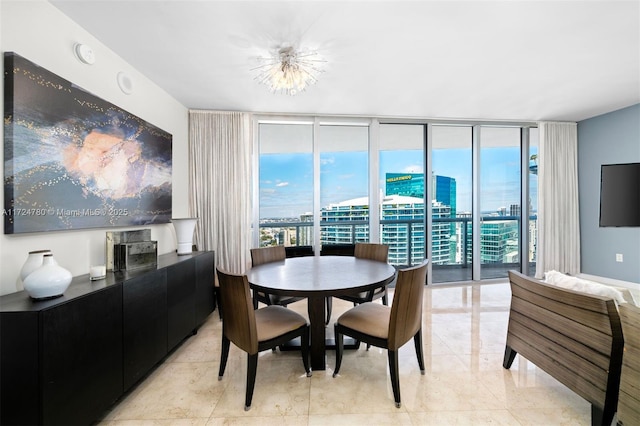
[48, 281]
[33, 262]
[184, 233]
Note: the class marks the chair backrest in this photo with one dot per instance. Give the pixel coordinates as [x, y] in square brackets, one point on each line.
[373, 251]
[406, 309]
[299, 251]
[267, 254]
[238, 316]
[337, 249]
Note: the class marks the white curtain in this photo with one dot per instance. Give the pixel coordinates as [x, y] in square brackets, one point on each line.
[220, 146]
[558, 210]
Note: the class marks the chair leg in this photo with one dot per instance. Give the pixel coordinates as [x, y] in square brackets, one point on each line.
[305, 351]
[339, 348]
[223, 356]
[385, 297]
[509, 356]
[255, 300]
[252, 367]
[395, 376]
[329, 307]
[219, 302]
[417, 340]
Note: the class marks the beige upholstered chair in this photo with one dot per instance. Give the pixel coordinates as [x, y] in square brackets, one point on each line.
[269, 254]
[388, 327]
[629, 397]
[373, 251]
[254, 331]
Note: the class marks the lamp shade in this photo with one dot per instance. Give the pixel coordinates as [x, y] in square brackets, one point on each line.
[184, 228]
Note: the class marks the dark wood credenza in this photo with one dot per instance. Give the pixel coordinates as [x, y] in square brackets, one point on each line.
[67, 360]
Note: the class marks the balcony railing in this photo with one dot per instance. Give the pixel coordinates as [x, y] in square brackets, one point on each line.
[405, 238]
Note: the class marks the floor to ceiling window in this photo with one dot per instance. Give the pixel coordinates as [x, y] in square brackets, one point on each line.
[285, 171]
[451, 206]
[345, 181]
[402, 185]
[500, 209]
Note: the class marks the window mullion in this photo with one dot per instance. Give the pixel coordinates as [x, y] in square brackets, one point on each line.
[316, 186]
[374, 182]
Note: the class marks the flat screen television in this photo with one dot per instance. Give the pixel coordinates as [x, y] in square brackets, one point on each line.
[620, 195]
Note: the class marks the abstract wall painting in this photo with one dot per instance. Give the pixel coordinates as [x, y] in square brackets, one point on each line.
[75, 161]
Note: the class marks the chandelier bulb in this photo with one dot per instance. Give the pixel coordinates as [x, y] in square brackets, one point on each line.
[288, 71]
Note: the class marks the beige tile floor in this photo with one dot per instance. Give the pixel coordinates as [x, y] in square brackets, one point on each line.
[464, 329]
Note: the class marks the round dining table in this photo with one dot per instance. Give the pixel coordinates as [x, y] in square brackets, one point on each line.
[317, 277]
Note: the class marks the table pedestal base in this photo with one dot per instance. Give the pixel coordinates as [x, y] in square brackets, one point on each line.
[349, 343]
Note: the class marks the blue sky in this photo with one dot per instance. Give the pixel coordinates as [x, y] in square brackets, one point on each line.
[286, 180]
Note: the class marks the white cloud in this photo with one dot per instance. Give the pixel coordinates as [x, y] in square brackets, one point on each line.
[279, 184]
[327, 160]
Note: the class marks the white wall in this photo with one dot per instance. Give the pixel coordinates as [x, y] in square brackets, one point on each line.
[40, 33]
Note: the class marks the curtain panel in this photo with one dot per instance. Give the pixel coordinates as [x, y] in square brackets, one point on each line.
[220, 145]
[558, 207]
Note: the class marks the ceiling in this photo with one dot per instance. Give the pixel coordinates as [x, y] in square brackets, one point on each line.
[503, 60]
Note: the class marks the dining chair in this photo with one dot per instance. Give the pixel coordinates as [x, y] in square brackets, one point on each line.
[373, 251]
[337, 249]
[388, 327]
[299, 251]
[269, 254]
[256, 330]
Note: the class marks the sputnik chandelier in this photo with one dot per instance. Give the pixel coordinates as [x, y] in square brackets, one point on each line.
[288, 71]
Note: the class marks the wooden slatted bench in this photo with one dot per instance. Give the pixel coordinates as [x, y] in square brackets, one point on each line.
[629, 401]
[575, 337]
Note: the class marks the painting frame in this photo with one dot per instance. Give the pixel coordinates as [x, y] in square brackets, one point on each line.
[75, 161]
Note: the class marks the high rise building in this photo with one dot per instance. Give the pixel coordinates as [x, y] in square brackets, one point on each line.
[440, 234]
[402, 220]
[407, 184]
[403, 224]
[412, 185]
[444, 191]
[346, 222]
[305, 233]
[497, 241]
[443, 205]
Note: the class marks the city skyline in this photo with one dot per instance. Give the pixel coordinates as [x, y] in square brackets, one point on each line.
[286, 180]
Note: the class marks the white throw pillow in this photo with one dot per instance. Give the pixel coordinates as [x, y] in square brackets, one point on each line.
[578, 284]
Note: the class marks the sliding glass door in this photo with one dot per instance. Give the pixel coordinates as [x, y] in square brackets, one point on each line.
[500, 195]
[285, 169]
[463, 195]
[402, 185]
[344, 183]
[451, 205]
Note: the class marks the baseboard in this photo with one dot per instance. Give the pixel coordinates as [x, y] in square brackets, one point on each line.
[611, 281]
